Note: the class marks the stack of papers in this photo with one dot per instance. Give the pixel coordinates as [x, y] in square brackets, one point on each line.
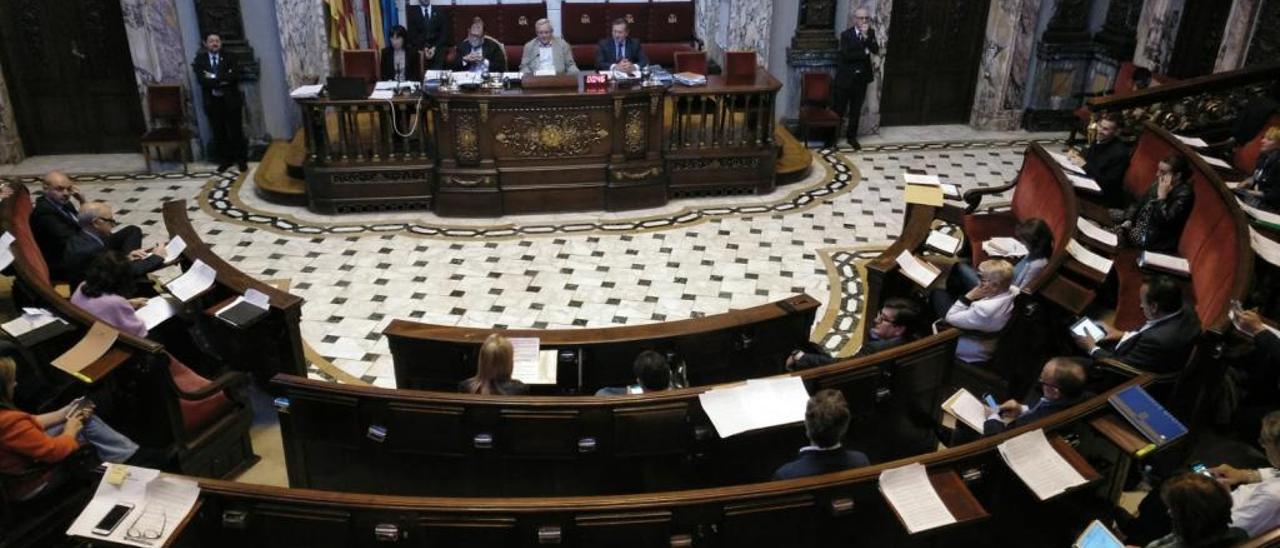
[1065, 162]
[245, 309]
[394, 85]
[156, 311]
[1084, 183]
[1088, 258]
[382, 94]
[1161, 261]
[966, 407]
[6, 254]
[194, 281]
[913, 497]
[1191, 141]
[922, 189]
[307, 92]
[1095, 232]
[1039, 465]
[1004, 246]
[1265, 247]
[532, 364]
[157, 504]
[436, 75]
[951, 192]
[1216, 162]
[756, 404]
[465, 78]
[689, 79]
[1263, 216]
[943, 242]
[920, 179]
[34, 326]
[918, 271]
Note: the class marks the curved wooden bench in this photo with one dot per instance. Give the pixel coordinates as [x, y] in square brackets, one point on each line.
[736, 345]
[418, 442]
[156, 399]
[270, 345]
[837, 509]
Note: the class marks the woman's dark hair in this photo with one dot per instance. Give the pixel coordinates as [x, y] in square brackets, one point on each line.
[1199, 507]
[1178, 165]
[399, 31]
[109, 274]
[1035, 234]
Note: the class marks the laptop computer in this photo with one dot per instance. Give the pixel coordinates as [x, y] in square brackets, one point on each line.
[344, 88]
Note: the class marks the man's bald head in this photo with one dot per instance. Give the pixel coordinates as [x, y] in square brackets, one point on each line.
[1065, 376]
[97, 217]
[58, 187]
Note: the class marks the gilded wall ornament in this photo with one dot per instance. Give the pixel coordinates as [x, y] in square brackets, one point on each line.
[549, 135]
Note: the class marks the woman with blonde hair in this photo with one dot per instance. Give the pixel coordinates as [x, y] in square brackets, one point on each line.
[493, 370]
[27, 439]
[1262, 188]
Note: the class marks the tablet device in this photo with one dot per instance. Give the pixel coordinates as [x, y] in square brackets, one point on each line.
[1088, 328]
[1096, 535]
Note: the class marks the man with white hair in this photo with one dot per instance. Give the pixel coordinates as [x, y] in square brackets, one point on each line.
[97, 221]
[983, 312]
[546, 54]
[854, 71]
[54, 221]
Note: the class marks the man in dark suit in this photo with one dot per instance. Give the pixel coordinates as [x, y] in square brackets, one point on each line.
[475, 54]
[1163, 344]
[653, 374]
[219, 80]
[1062, 382]
[896, 323]
[620, 53]
[429, 32]
[96, 222]
[826, 419]
[54, 222]
[1106, 160]
[854, 72]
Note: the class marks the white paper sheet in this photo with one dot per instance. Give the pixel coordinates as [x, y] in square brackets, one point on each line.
[1004, 246]
[1039, 465]
[1082, 182]
[160, 503]
[1215, 162]
[306, 92]
[1191, 141]
[251, 296]
[30, 320]
[943, 242]
[192, 282]
[1259, 214]
[911, 493]
[1088, 258]
[436, 75]
[1096, 233]
[1167, 262]
[382, 94]
[951, 191]
[156, 311]
[920, 179]
[919, 272]
[758, 403]
[968, 408]
[1065, 161]
[532, 365]
[1265, 247]
[173, 250]
[6, 254]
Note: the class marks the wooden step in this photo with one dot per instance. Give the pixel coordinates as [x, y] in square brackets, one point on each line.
[273, 180]
[795, 161]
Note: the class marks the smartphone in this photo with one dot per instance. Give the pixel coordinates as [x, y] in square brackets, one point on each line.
[1086, 327]
[991, 401]
[1201, 469]
[113, 518]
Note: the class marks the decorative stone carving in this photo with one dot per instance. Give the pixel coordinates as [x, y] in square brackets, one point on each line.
[635, 134]
[466, 137]
[551, 135]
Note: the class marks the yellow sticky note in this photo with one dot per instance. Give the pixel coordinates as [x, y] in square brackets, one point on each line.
[116, 474]
[924, 195]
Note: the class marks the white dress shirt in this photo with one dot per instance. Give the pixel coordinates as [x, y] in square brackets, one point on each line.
[1255, 507]
[546, 58]
[987, 315]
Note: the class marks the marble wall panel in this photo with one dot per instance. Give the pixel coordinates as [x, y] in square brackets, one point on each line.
[1006, 61]
[749, 24]
[10, 141]
[1157, 33]
[155, 44]
[1235, 38]
[304, 40]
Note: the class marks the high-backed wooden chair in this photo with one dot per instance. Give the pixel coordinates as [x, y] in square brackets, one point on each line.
[691, 61]
[815, 105]
[168, 122]
[361, 63]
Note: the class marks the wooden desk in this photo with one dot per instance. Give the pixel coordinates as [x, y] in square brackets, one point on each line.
[487, 153]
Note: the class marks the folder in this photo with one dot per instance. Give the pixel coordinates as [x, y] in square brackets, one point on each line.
[1146, 415]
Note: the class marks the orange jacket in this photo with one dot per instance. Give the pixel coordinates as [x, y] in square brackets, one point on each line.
[22, 440]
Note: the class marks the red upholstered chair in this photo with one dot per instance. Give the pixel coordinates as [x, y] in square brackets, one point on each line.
[664, 53]
[740, 66]
[695, 62]
[584, 55]
[815, 105]
[1245, 157]
[168, 123]
[361, 63]
[515, 53]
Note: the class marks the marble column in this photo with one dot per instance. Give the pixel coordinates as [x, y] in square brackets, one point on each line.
[869, 121]
[10, 141]
[706, 21]
[1235, 38]
[998, 99]
[1157, 33]
[155, 45]
[749, 24]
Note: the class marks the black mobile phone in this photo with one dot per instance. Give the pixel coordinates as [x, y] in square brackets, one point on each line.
[113, 518]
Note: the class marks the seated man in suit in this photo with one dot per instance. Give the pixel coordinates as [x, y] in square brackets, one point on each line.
[1254, 373]
[53, 222]
[1062, 382]
[652, 375]
[983, 312]
[546, 54]
[1161, 345]
[475, 54]
[897, 323]
[1106, 160]
[621, 53]
[96, 222]
[826, 419]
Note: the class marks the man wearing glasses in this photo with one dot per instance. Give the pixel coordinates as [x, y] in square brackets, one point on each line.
[54, 221]
[853, 71]
[97, 223]
[1061, 386]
